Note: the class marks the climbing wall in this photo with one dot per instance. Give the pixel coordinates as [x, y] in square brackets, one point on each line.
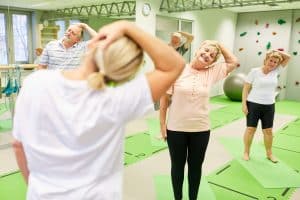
[293, 80]
[258, 32]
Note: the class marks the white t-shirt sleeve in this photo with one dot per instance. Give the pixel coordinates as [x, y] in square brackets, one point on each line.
[134, 99]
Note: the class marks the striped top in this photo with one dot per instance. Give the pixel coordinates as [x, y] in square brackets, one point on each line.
[56, 56]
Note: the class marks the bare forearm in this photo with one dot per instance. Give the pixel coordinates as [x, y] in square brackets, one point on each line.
[89, 30]
[164, 103]
[21, 159]
[246, 90]
[230, 58]
[286, 58]
[187, 35]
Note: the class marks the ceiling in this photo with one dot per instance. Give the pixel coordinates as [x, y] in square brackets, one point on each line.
[59, 4]
[51, 4]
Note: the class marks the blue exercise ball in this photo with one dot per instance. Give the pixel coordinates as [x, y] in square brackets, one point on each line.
[233, 86]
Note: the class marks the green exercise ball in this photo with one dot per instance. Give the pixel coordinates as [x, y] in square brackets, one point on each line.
[233, 86]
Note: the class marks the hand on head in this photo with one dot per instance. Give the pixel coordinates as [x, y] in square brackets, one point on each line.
[108, 34]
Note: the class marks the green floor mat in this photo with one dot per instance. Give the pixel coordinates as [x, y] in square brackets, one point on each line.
[220, 118]
[5, 125]
[287, 142]
[164, 191]
[12, 187]
[154, 131]
[139, 147]
[292, 129]
[292, 159]
[222, 99]
[225, 115]
[233, 182]
[3, 108]
[288, 107]
[264, 171]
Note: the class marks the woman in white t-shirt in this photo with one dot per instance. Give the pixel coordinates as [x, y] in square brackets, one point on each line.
[187, 129]
[258, 100]
[69, 124]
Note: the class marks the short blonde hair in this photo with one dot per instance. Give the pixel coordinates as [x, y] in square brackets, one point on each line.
[273, 54]
[118, 63]
[214, 45]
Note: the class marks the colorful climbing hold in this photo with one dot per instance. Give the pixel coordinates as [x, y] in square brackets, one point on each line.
[243, 34]
[241, 49]
[259, 53]
[281, 21]
[295, 53]
[268, 46]
[256, 22]
[267, 25]
[274, 33]
[258, 33]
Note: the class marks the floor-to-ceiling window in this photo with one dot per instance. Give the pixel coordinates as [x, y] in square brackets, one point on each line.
[15, 34]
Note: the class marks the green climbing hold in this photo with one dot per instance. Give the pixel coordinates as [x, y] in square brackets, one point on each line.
[243, 34]
[268, 45]
[258, 33]
[295, 53]
[281, 21]
[259, 53]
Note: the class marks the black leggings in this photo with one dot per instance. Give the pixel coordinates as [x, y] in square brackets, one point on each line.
[190, 147]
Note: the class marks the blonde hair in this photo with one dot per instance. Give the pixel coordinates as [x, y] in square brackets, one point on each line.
[214, 45]
[118, 63]
[274, 54]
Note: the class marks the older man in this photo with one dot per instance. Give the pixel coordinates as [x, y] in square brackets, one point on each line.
[66, 53]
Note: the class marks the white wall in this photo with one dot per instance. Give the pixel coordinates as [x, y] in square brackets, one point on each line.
[210, 24]
[292, 89]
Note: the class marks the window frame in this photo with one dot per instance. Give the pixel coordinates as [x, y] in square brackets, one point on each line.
[9, 37]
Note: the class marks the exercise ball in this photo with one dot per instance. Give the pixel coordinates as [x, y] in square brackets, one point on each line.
[233, 86]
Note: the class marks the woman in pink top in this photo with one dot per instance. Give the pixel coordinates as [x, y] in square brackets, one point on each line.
[187, 129]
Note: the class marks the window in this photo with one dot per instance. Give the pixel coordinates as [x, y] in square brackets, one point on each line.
[20, 38]
[165, 26]
[62, 28]
[3, 44]
[15, 37]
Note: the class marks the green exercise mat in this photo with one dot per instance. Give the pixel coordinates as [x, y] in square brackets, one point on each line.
[291, 129]
[154, 131]
[233, 182]
[263, 170]
[219, 118]
[288, 107]
[12, 187]
[287, 142]
[292, 159]
[164, 191]
[3, 108]
[139, 147]
[5, 125]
